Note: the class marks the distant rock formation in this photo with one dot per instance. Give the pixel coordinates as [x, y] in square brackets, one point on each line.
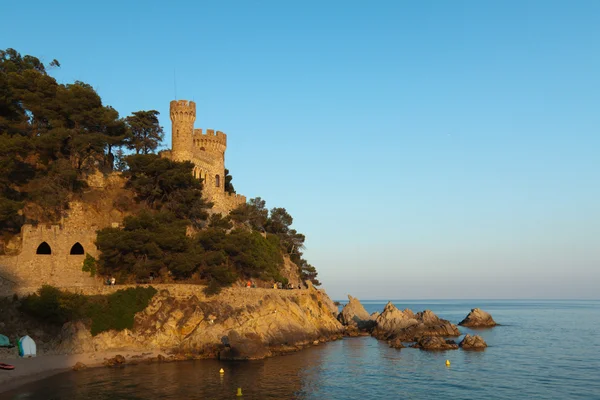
[435, 343]
[478, 318]
[473, 343]
[355, 317]
[406, 326]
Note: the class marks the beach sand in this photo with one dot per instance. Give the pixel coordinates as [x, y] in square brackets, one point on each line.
[28, 370]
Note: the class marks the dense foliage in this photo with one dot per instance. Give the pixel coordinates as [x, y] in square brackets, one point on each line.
[115, 311]
[52, 134]
[165, 185]
[277, 222]
[156, 244]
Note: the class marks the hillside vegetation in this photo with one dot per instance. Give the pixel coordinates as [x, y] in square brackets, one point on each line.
[52, 136]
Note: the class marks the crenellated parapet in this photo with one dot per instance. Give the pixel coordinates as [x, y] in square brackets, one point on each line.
[183, 110]
[210, 141]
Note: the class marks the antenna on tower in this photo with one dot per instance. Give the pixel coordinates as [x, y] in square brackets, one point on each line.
[175, 83]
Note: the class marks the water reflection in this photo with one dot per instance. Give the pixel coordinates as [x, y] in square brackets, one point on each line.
[530, 356]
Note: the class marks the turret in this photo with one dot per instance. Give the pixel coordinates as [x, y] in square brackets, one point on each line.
[183, 115]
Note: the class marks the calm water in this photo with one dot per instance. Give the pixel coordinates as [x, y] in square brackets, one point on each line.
[543, 350]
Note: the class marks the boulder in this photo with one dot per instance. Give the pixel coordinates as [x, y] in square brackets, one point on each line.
[473, 343]
[115, 361]
[354, 315]
[248, 346]
[478, 318]
[396, 344]
[435, 343]
[79, 366]
[407, 326]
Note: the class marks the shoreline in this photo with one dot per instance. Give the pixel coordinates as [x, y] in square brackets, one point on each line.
[28, 370]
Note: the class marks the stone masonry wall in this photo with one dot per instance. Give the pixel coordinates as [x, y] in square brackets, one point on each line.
[22, 270]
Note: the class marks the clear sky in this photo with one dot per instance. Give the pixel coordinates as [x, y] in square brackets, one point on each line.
[428, 149]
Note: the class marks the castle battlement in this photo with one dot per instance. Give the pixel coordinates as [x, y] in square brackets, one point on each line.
[235, 196]
[183, 107]
[210, 137]
[206, 150]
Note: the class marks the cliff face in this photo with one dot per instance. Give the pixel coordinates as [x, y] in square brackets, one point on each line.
[239, 323]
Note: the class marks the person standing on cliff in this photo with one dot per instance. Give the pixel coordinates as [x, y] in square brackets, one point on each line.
[113, 281]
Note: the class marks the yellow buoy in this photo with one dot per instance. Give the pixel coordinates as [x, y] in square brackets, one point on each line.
[221, 371]
[239, 392]
[447, 363]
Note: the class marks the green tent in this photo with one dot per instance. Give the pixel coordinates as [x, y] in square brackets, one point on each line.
[4, 342]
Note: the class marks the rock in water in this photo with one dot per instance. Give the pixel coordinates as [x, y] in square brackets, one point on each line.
[435, 343]
[396, 344]
[478, 318]
[473, 343]
[355, 316]
[406, 326]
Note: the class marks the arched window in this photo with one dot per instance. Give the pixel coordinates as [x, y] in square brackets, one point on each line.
[44, 248]
[77, 249]
[202, 148]
[217, 180]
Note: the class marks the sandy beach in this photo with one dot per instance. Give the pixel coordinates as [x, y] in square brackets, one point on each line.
[28, 370]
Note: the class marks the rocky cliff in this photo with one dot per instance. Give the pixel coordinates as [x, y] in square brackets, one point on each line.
[239, 323]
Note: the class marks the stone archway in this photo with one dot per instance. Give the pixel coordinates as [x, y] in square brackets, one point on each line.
[44, 249]
[77, 249]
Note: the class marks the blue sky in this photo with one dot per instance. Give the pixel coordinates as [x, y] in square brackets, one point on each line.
[427, 149]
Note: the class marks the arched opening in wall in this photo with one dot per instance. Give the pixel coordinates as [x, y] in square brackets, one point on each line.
[44, 248]
[77, 249]
[202, 148]
[217, 180]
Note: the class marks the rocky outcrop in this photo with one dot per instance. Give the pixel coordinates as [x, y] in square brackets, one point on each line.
[355, 317]
[237, 324]
[75, 338]
[478, 318]
[396, 344]
[435, 343]
[473, 343]
[393, 324]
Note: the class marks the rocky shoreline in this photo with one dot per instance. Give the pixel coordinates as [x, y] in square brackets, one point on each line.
[180, 323]
[423, 330]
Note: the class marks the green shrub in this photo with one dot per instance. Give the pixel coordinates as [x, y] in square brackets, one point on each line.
[212, 288]
[115, 311]
[89, 265]
[51, 305]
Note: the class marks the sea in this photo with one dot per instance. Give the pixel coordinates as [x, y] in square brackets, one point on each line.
[546, 349]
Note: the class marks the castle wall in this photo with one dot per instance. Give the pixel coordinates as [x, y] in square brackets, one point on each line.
[24, 271]
[28, 270]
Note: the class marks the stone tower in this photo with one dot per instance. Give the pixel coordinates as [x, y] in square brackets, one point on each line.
[183, 115]
[205, 150]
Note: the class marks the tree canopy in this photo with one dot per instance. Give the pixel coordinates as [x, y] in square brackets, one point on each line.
[53, 135]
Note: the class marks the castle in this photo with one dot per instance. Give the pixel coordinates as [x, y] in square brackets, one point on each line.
[54, 254]
[206, 151]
